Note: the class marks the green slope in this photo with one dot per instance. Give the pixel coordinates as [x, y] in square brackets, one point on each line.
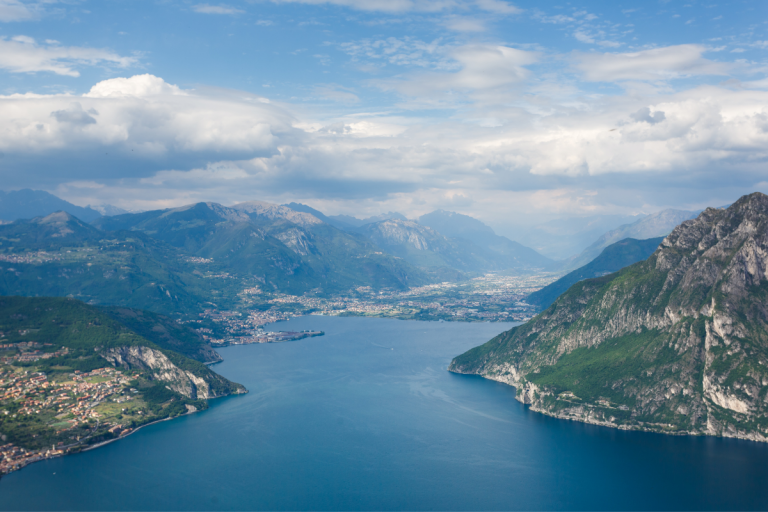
[614, 257]
[59, 255]
[676, 343]
[84, 338]
[286, 251]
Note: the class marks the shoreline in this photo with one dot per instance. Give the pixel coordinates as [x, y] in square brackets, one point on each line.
[628, 428]
[103, 443]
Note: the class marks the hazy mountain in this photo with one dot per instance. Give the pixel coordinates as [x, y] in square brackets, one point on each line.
[501, 252]
[614, 257]
[283, 249]
[108, 210]
[355, 222]
[566, 237]
[650, 226]
[420, 245]
[27, 204]
[675, 343]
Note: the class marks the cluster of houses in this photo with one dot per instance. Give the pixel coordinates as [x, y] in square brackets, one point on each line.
[14, 457]
[71, 403]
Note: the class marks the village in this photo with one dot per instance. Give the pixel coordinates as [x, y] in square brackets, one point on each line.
[63, 405]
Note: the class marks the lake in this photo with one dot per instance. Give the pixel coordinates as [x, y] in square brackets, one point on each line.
[367, 418]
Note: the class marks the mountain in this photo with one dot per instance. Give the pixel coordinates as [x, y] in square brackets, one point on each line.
[108, 210]
[59, 255]
[614, 257]
[651, 226]
[298, 207]
[423, 246]
[356, 223]
[284, 250]
[419, 245]
[51, 347]
[677, 343]
[165, 333]
[562, 238]
[27, 204]
[500, 251]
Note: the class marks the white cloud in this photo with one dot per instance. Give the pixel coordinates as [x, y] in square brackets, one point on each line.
[14, 10]
[461, 24]
[137, 85]
[143, 117]
[481, 68]
[657, 64]
[216, 9]
[336, 93]
[392, 6]
[400, 52]
[498, 6]
[184, 145]
[22, 54]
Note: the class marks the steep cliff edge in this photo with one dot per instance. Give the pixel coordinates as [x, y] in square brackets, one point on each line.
[677, 343]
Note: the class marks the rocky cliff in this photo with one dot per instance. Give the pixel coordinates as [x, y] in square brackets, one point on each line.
[196, 383]
[677, 343]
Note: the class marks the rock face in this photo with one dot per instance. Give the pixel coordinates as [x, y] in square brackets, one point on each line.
[161, 368]
[677, 343]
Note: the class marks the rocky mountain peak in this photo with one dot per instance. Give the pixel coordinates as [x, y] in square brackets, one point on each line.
[274, 211]
[676, 343]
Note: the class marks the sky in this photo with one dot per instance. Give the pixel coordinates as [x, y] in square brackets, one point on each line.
[517, 113]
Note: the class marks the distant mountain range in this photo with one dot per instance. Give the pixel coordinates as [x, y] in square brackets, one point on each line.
[440, 239]
[282, 249]
[27, 204]
[613, 258]
[651, 226]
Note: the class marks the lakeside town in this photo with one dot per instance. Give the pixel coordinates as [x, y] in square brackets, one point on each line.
[489, 298]
[72, 410]
[66, 410]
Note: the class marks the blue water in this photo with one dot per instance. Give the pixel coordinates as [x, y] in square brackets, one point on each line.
[367, 418]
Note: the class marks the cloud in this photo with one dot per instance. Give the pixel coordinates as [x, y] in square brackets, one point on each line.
[390, 6]
[75, 115]
[644, 115]
[666, 63]
[138, 125]
[461, 24]
[337, 93]
[216, 9]
[150, 144]
[497, 6]
[481, 68]
[13, 10]
[22, 54]
[406, 51]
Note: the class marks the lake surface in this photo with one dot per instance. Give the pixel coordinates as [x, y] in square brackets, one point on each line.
[368, 418]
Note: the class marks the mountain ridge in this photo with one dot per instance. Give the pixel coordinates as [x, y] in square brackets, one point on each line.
[677, 343]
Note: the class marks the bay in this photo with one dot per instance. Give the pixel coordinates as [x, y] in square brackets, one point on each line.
[367, 418]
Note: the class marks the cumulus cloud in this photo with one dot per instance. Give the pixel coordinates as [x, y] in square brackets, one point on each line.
[657, 64]
[22, 54]
[75, 115]
[216, 9]
[136, 126]
[154, 143]
[645, 115]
